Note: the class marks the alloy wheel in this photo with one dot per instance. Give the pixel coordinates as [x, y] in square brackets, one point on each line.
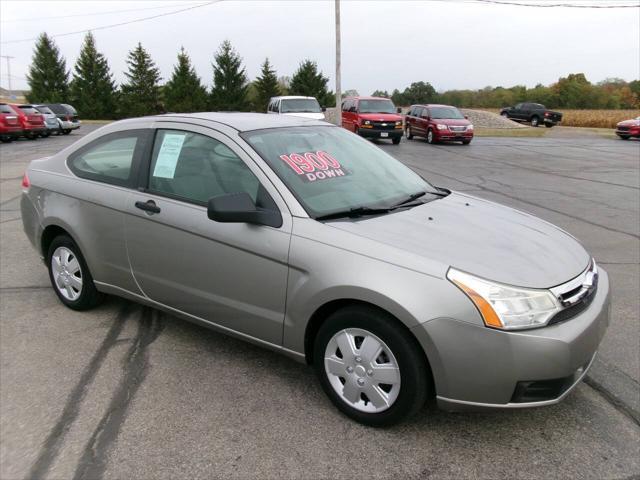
[67, 273]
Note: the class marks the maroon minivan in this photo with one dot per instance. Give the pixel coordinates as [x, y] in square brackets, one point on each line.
[438, 123]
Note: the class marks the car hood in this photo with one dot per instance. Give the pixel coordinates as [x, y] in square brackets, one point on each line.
[453, 121]
[629, 123]
[380, 117]
[314, 115]
[479, 237]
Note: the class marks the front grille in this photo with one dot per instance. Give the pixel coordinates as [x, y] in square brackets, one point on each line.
[384, 125]
[457, 129]
[623, 129]
[576, 295]
[575, 309]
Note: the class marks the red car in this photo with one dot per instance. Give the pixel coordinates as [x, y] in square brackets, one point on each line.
[9, 124]
[629, 128]
[372, 117]
[31, 121]
[438, 123]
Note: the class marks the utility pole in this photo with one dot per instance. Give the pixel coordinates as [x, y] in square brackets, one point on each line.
[8, 58]
[338, 80]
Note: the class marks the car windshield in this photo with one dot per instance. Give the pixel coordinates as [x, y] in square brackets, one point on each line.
[446, 112]
[46, 110]
[300, 105]
[330, 170]
[376, 106]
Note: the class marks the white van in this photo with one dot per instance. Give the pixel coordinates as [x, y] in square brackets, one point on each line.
[297, 106]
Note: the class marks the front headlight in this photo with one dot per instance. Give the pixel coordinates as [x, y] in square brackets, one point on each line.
[399, 122]
[506, 307]
[469, 127]
[367, 122]
[441, 126]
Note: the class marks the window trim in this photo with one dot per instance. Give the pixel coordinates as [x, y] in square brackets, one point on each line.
[139, 154]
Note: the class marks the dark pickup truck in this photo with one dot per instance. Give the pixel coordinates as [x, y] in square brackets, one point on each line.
[532, 112]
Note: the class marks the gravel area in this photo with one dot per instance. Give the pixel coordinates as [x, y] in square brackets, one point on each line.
[479, 118]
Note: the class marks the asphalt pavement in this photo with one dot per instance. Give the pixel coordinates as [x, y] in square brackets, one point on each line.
[128, 392]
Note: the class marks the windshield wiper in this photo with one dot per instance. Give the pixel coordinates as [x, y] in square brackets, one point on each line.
[354, 213]
[409, 199]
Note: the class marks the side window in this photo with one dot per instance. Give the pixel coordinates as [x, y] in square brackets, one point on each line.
[195, 168]
[417, 111]
[276, 106]
[519, 106]
[354, 106]
[110, 159]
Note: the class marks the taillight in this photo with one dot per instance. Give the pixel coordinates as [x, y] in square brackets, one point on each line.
[546, 114]
[68, 118]
[25, 182]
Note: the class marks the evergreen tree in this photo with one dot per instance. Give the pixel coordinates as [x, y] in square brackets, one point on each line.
[93, 91]
[141, 94]
[308, 81]
[267, 86]
[230, 87]
[48, 77]
[184, 92]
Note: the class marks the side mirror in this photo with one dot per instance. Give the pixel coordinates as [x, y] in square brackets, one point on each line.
[466, 117]
[239, 208]
[324, 109]
[399, 110]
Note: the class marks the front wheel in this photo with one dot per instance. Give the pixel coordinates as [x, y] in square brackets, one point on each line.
[535, 121]
[370, 366]
[407, 133]
[70, 276]
[45, 135]
[548, 125]
[625, 137]
[396, 140]
[431, 139]
[505, 114]
[6, 139]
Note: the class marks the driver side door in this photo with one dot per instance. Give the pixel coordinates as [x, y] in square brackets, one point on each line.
[232, 275]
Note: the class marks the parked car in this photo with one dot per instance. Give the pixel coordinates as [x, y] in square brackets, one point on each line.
[10, 128]
[31, 121]
[628, 128]
[51, 120]
[438, 123]
[372, 117]
[67, 115]
[298, 236]
[533, 113]
[297, 106]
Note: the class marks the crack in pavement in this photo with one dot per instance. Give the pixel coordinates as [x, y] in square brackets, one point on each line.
[54, 440]
[92, 464]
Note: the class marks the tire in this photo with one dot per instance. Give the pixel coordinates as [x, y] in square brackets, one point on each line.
[66, 131]
[396, 141]
[70, 276]
[408, 384]
[625, 137]
[548, 125]
[466, 142]
[407, 133]
[6, 139]
[45, 135]
[431, 139]
[504, 114]
[535, 121]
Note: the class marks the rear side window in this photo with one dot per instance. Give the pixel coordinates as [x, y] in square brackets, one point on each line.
[4, 108]
[46, 110]
[57, 108]
[29, 110]
[110, 159]
[196, 168]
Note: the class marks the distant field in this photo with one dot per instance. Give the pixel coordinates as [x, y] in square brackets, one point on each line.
[590, 118]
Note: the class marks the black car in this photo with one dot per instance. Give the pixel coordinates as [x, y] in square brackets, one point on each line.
[535, 113]
[67, 115]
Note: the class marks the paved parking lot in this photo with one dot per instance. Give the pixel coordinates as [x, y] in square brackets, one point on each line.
[126, 392]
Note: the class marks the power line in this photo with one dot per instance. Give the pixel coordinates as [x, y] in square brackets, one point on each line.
[555, 5]
[93, 14]
[113, 25]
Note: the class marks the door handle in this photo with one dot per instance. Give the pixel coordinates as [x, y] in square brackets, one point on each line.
[149, 206]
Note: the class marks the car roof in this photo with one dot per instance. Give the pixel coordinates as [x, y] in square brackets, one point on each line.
[244, 122]
[291, 97]
[367, 98]
[433, 105]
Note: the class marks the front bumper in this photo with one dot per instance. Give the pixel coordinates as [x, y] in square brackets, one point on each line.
[69, 125]
[634, 132]
[377, 133]
[448, 135]
[476, 367]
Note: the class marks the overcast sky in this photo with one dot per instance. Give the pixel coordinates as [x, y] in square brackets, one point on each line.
[385, 44]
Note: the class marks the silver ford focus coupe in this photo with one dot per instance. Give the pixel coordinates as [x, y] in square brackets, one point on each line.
[304, 238]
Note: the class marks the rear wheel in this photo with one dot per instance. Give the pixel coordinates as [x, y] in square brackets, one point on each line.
[45, 134]
[548, 125]
[535, 121]
[625, 137]
[466, 142]
[70, 276]
[370, 367]
[396, 140]
[431, 139]
[6, 139]
[505, 114]
[66, 131]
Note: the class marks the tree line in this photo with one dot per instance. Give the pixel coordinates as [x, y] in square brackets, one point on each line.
[573, 92]
[93, 92]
